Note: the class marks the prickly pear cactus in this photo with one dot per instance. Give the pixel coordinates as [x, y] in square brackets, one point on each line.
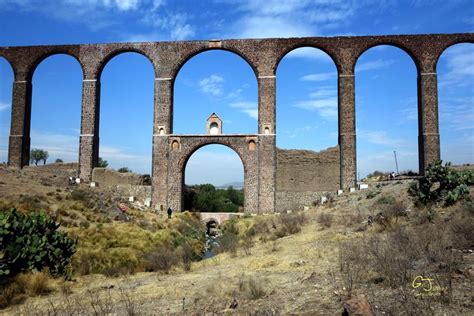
[32, 242]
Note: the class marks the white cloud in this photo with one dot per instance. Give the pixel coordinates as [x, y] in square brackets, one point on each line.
[323, 92]
[247, 107]
[4, 106]
[175, 24]
[212, 85]
[380, 138]
[323, 100]
[365, 66]
[271, 26]
[458, 64]
[276, 18]
[457, 113]
[374, 65]
[95, 14]
[324, 76]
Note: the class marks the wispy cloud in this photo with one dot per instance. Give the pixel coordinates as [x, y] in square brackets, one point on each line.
[249, 108]
[323, 76]
[326, 108]
[457, 113]
[4, 106]
[365, 66]
[374, 65]
[175, 24]
[212, 85]
[324, 101]
[274, 18]
[458, 62]
[380, 138]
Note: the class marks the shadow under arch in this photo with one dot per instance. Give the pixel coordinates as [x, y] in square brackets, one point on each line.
[388, 121]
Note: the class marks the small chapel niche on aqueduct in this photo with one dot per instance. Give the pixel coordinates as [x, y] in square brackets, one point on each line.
[214, 124]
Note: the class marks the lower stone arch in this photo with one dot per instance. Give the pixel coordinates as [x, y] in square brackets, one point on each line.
[190, 144]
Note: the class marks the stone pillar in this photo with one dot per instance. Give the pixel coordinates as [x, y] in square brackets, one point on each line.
[428, 135]
[347, 132]
[266, 104]
[162, 128]
[266, 143]
[251, 180]
[19, 143]
[89, 139]
[266, 173]
[160, 172]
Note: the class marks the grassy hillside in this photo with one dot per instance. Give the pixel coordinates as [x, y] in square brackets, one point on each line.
[375, 249]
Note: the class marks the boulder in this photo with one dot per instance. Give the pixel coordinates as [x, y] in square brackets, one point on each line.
[357, 306]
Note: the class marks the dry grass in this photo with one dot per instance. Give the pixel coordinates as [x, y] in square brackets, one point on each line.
[309, 272]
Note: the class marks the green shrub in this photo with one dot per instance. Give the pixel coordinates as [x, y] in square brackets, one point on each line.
[32, 242]
[441, 184]
[124, 170]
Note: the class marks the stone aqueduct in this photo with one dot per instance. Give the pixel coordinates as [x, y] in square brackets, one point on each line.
[171, 152]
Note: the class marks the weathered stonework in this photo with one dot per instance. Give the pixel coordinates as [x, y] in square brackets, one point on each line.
[108, 177]
[263, 56]
[304, 175]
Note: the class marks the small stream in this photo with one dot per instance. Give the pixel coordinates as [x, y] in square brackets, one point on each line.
[211, 247]
[212, 240]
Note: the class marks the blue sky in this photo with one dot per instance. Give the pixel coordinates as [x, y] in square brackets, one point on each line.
[218, 81]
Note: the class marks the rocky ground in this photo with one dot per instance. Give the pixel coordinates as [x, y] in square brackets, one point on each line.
[329, 264]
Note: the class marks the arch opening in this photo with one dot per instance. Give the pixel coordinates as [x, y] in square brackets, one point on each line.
[126, 111]
[386, 112]
[213, 179]
[215, 81]
[6, 83]
[306, 96]
[56, 108]
[455, 69]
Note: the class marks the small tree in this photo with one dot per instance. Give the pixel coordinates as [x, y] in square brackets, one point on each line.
[102, 163]
[59, 160]
[36, 155]
[124, 170]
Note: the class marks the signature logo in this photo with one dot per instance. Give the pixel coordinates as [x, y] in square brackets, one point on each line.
[423, 283]
[425, 287]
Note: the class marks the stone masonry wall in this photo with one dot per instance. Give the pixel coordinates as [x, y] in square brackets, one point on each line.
[107, 177]
[303, 175]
